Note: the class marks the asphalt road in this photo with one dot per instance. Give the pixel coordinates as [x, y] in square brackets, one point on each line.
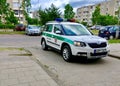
[105, 72]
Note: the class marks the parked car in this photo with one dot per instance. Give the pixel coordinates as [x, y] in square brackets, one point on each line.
[95, 27]
[20, 27]
[109, 32]
[32, 30]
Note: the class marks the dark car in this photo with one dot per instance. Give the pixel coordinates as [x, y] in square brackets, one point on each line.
[109, 32]
[20, 27]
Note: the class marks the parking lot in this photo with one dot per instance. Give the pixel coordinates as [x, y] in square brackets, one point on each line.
[77, 73]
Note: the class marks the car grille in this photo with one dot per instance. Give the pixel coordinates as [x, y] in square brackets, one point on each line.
[95, 45]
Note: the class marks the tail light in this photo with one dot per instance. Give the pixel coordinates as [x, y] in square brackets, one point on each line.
[107, 33]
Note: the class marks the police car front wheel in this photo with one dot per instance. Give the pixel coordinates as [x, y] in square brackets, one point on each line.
[66, 53]
[44, 46]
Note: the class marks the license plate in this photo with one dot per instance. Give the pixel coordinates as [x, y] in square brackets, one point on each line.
[99, 50]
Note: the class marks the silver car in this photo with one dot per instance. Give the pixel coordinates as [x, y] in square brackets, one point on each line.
[32, 30]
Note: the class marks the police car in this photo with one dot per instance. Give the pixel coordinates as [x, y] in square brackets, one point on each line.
[73, 39]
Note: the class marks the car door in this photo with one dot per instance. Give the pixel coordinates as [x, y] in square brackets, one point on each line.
[57, 36]
[48, 34]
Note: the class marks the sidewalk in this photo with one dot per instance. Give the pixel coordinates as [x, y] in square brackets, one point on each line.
[115, 50]
[18, 69]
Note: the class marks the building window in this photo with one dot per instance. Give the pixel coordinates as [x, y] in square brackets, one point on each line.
[16, 4]
[91, 7]
[16, 12]
[21, 18]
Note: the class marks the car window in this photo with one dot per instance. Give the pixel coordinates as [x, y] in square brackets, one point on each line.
[57, 27]
[113, 29]
[74, 30]
[48, 28]
[33, 27]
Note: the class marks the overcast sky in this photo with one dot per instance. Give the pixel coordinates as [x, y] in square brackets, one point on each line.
[61, 3]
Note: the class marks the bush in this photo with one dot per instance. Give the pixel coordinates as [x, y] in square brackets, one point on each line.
[7, 26]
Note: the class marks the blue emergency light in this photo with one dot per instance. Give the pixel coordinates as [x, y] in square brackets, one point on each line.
[58, 19]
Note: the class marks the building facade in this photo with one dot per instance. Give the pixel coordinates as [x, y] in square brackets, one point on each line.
[110, 7]
[15, 5]
[84, 14]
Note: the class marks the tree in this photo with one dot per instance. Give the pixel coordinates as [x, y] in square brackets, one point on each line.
[11, 19]
[26, 5]
[6, 13]
[98, 19]
[96, 15]
[33, 21]
[68, 12]
[49, 14]
[84, 23]
[4, 9]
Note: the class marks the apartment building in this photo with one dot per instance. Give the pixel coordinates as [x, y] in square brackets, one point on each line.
[84, 14]
[15, 5]
[110, 7]
[107, 7]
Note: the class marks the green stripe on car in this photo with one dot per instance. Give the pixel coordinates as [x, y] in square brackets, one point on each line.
[59, 38]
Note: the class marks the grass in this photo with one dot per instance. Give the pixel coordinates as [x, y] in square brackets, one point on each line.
[95, 32]
[11, 32]
[10, 48]
[114, 41]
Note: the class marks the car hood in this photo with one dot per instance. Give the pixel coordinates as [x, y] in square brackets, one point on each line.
[86, 39]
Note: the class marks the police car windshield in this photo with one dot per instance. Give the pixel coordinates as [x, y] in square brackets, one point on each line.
[75, 30]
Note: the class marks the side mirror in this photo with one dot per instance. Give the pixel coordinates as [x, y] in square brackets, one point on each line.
[58, 32]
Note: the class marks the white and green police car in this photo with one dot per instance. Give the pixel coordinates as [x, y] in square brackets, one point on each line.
[73, 39]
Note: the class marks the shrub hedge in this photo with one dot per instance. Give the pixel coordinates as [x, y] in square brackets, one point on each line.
[7, 26]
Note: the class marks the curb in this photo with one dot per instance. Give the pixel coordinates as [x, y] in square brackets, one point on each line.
[114, 56]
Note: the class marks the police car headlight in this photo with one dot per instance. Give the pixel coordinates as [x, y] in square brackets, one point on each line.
[81, 44]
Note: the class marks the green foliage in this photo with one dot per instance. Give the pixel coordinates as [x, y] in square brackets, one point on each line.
[9, 26]
[26, 5]
[0, 21]
[49, 14]
[11, 19]
[33, 21]
[6, 13]
[68, 12]
[96, 15]
[107, 20]
[3, 7]
[98, 19]
[84, 23]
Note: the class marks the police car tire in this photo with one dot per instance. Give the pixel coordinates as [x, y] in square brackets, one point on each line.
[66, 53]
[44, 46]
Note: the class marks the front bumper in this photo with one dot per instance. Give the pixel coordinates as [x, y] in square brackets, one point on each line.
[90, 53]
[34, 33]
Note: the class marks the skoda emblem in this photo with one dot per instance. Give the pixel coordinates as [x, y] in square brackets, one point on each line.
[99, 42]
